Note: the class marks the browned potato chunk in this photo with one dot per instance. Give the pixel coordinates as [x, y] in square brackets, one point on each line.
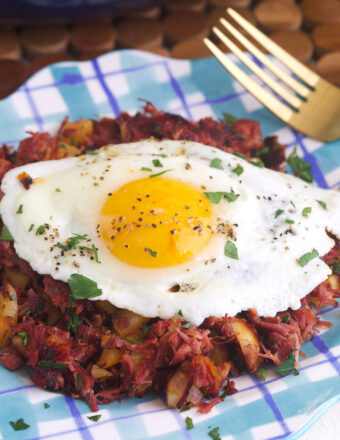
[128, 322]
[218, 354]
[8, 312]
[109, 357]
[77, 131]
[333, 282]
[99, 373]
[176, 387]
[17, 278]
[249, 344]
[105, 306]
[18, 343]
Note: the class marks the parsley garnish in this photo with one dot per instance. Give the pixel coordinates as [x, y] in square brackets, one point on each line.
[40, 230]
[185, 408]
[215, 197]
[63, 146]
[159, 174]
[31, 227]
[300, 167]
[292, 203]
[230, 250]
[46, 405]
[19, 425]
[5, 234]
[238, 170]
[71, 242]
[95, 253]
[263, 373]
[49, 364]
[239, 155]
[23, 336]
[91, 152]
[151, 252]
[288, 366]
[336, 267]
[306, 211]
[146, 169]
[322, 204]
[94, 418]
[285, 318]
[82, 287]
[257, 163]
[180, 313]
[215, 433]
[20, 211]
[73, 322]
[306, 258]
[189, 423]
[290, 222]
[228, 118]
[187, 325]
[216, 163]
[57, 190]
[80, 382]
[278, 213]
[157, 163]
[262, 151]
[161, 155]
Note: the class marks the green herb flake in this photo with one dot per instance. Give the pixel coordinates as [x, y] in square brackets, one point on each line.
[71, 242]
[159, 174]
[146, 169]
[237, 154]
[230, 197]
[23, 336]
[262, 151]
[46, 405]
[187, 325]
[157, 163]
[216, 163]
[5, 234]
[300, 167]
[257, 163]
[215, 197]
[215, 433]
[306, 211]
[238, 170]
[336, 267]
[306, 258]
[95, 253]
[19, 210]
[322, 204]
[91, 152]
[292, 203]
[57, 190]
[94, 418]
[285, 318]
[82, 287]
[278, 213]
[79, 382]
[290, 222]
[180, 313]
[31, 227]
[151, 252]
[185, 408]
[49, 364]
[230, 250]
[223, 395]
[288, 366]
[19, 425]
[73, 322]
[228, 118]
[189, 423]
[40, 230]
[262, 373]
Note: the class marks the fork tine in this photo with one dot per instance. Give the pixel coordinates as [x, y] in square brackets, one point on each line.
[267, 99]
[274, 68]
[307, 75]
[268, 80]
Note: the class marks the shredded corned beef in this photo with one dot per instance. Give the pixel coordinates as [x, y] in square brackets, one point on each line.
[94, 351]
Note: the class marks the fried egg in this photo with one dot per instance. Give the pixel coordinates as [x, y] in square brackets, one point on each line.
[163, 226]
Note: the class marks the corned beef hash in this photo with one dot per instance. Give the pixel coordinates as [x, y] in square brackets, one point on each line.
[151, 253]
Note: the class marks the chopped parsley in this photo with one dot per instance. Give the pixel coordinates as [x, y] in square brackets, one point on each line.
[23, 336]
[46, 405]
[185, 408]
[31, 227]
[73, 322]
[146, 169]
[91, 152]
[151, 252]
[71, 242]
[215, 433]
[19, 425]
[95, 253]
[49, 364]
[215, 197]
[290, 222]
[40, 230]
[239, 155]
[302, 168]
[322, 204]
[57, 190]
[63, 146]
[159, 174]
[262, 373]
[216, 163]
[306, 258]
[336, 267]
[230, 250]
[5, 234]
[79, 382]
[161, 155]
[94, 418]
[238, 170]
[187, 325]
[189, 423]
[306, 211]
[285, 318]
[157, 163]
[278, 213]
[288, 366]
[20, 211]
[180, 313]
[256, 163]
[82, 287]
[228, 118]
[292, 203]
[262, 151]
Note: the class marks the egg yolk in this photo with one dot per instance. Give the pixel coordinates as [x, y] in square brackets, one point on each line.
[156, 222]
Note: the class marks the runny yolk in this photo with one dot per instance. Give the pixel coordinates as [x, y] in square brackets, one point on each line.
[156, 222]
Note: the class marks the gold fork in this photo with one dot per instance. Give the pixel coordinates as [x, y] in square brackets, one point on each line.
[313, 103]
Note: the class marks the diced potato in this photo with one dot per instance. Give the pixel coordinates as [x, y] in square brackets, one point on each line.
[17, 278]
[8, 313]
[18, 343]
[105, 306]
[67, 150]
[218, 354]
[77, 131]
[128, 322]
[99, 373]
[333, 281]
[249, 344]
[109, 357]
[176, 388]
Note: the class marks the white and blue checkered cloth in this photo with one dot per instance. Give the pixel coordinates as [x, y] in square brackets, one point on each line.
[273, 409]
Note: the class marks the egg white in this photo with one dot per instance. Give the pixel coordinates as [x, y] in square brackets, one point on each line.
[266, 276]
